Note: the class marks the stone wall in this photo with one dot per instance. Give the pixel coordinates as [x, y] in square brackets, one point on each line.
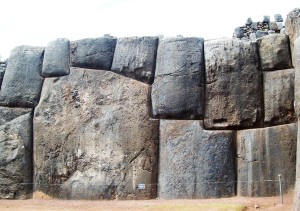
[146, 117]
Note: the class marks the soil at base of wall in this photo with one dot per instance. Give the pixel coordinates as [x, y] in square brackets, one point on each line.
[45, 203]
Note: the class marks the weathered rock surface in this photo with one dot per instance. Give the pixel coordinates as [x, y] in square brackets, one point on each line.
[274, 52]
[94, 53]
[93, 137]
[195, 163]
[57, 58]
[263, 154]
[15, 153]
[233, 84]
[279, 97]
[297, 76]
[135, 57]
[22, 82]
[2, 71]
[178, 88]
[296, 205]
[292, 27]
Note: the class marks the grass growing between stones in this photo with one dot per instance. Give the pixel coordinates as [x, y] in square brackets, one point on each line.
[211, 206]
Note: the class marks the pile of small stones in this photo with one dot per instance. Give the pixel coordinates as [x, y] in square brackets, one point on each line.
[253, 30]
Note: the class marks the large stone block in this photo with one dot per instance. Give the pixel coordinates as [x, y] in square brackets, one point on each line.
[57, 58]
[263, 154]
[15, 153]
[2, 71]
[178, 88]
[233, 84]
[297, 76]
[93, 137]
[274, 52]
[135, 57]
[279, 97]
[292, 28]
[95, 53]
[195, 163]
[296, 205]
[22, 82]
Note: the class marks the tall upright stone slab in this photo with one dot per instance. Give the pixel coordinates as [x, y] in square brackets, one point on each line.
[178, 88]
[274, 52]
[233, 84]
[15, 153]
[135, 57]
[2, 70]
[263, 154]
[279, 97]
[93, 137]
[22, 82]
[94, 53]
[195, 163]
[57, 58]
[292, 28]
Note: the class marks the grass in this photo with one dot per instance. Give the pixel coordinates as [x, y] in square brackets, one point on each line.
[211, 206]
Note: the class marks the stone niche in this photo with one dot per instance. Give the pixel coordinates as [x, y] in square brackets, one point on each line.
[263, 154]
[94, 139]
[195, 163]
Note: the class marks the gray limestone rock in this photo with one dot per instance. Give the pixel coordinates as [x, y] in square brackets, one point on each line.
[263, 154]
[135, 57]
[57, 58]
[195, 163]
[273, 26]
[279, 25]
[94, 53]
[233, 89]
[296, 204]
[278, 18]
[266, 19]
[260, 33]
[274, 52]
[279, 97]
[254, 25]
[178, 88]
[22, 82]
[15, 153]
[2, 71]
[93, 137]
[297, 76]
[292, 27]
[238, 33]
[249, 21]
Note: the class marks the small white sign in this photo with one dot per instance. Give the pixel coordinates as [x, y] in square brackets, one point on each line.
[141, 186]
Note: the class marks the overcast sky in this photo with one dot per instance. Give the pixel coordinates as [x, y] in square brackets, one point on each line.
[36, 22]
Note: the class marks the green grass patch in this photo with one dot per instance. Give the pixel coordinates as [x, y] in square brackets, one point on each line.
[212, 206]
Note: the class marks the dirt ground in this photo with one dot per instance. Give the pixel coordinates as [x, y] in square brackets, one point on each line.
[235, 203]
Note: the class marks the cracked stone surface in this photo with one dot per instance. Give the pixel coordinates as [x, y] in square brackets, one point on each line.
[274, 52]
[135, 57]
[292, 28]
[22, 82]
[93, 137]
[263, 154]
[94, 53]
[178, 88]
[279, 97]
[297, 77]
[233, 89]
[195, 163]
[15, 153]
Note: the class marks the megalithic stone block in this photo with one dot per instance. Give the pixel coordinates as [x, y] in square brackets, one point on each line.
[297, 76]
[2, 70]
[279, 97]
[263, 154]
[195, 163]
[233, 84]
[57, 58]
[296, 204]
[292, 28]
[274, 52]
[15, 153]
[94, 53]
[22, 82]
[178, 88]
[135, 57]
[94, 137]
